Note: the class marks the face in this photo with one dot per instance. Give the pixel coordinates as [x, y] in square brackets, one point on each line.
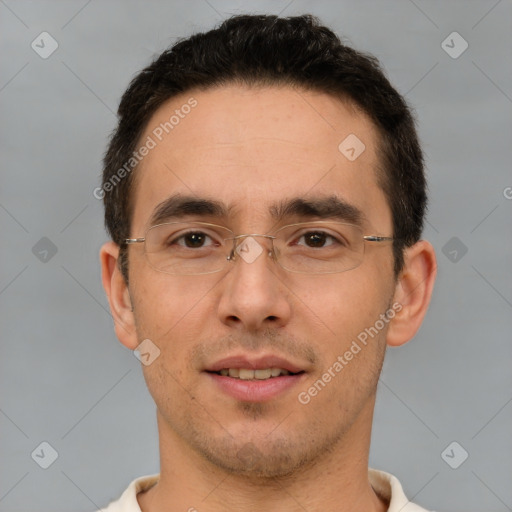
[250, 149]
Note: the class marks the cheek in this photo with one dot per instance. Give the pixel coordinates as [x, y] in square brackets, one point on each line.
[171, 310]
[168, 311]
[341, 307]
[351, 348]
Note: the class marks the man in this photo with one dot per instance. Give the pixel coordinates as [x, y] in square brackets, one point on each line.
[265, 195]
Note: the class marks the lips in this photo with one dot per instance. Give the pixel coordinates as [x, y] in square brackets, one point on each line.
[260, 363]
[255, 379]
[250, 374]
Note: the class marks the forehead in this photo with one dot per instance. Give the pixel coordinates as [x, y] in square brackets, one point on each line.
[251, 147]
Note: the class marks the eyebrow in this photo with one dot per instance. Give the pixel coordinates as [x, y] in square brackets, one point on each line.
[332, 207]
[178, 206]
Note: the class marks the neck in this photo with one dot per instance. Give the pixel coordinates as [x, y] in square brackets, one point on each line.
[338, 480]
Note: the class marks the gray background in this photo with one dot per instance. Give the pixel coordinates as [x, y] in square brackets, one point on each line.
[66, 380]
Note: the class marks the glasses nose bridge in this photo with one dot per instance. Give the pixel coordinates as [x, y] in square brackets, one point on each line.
[238, 240]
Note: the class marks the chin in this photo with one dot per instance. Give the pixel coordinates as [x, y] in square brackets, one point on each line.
[254, 463]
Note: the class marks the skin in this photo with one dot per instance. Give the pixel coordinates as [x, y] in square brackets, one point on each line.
[250, 147]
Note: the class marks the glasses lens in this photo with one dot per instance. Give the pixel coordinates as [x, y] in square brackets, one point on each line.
[187, 248]
[319, 248]
[196, 248]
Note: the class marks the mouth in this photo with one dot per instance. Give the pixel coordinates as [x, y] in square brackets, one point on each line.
[251, 374]
[255, 380]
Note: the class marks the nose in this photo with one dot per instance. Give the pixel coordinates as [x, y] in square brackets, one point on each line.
[254, 295]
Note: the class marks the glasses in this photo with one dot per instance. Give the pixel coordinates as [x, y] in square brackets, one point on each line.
[195, 248]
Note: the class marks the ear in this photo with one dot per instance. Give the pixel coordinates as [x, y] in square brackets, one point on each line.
[413, 292]
[118, 295]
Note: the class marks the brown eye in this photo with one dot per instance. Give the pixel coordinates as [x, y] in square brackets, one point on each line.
[192, 240]
[318, 239]
[315, 239]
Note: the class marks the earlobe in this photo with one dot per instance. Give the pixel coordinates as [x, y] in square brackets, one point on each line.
[413, 292]
[118, 295]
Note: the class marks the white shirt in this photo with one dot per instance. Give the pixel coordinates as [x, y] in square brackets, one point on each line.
[384, 484]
